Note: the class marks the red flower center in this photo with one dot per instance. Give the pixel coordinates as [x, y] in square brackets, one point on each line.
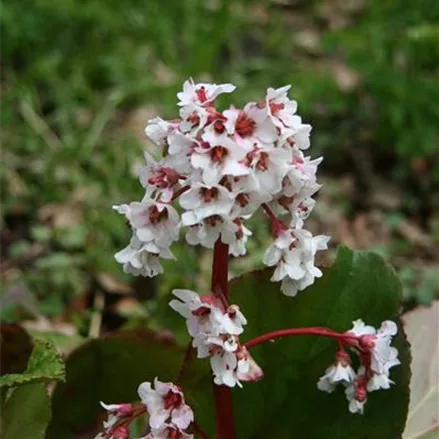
[218, 126]
[172, 399]
[194, 119]
[276, 107]
[155, 215]
[209, 194]
[243, 199]
[245, 126]
[218, 154]
[262, 164]
[213, 220]
[201, 94]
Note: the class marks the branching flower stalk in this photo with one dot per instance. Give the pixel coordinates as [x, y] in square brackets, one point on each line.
[222, 167]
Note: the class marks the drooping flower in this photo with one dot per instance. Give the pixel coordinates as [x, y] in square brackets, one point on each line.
[293, 254]
[340, 372]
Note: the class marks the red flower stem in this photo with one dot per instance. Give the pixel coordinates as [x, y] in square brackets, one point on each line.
[225, 422]
[180, 191]
[325, 332]
[277, 226]
[270, 213]
[186, 360]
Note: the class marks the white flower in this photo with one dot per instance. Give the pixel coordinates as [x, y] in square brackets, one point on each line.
[300, 181]
[250, 126]
[340, 372]
[168, 431]
[154, 222]
[248, 369]
[193, 119]
[165, 402]
[235, 235]
[202, 94]
[157, 130]
[224, 367]
[158, 174]
[355, 405]
[201, 317]
[280, 108]
[140, 258]
[378, 356]
[293, 253]
[384, 356]
[269, 166]
[202, 201]
[233, 320]
[360, 328]
[378, 344]
[356, 392]
[115, 412]
[218, 156]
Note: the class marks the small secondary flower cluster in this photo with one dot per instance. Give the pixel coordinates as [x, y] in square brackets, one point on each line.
[215, 335]
[169, 415]
[377, 357]
[223, 166]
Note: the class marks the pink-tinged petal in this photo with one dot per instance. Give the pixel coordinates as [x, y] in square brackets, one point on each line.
[182, 416]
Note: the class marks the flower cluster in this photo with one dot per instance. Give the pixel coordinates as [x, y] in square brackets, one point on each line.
[215, 335]
[222, 167]
[377, 357]
[169, 415]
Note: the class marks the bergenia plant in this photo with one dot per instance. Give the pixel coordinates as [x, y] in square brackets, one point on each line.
[217, 169]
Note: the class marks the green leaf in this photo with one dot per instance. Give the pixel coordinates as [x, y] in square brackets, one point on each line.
[286, 402]
[45, 364]
[26, 413]
[111, 369]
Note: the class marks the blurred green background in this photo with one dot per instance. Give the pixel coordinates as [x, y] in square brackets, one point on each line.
[80, 79]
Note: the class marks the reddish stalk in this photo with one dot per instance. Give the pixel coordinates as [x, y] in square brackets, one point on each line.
[225, 422]
[185, 363]
[270, 213]
[180, 191]
[277, 226]
[325, 332]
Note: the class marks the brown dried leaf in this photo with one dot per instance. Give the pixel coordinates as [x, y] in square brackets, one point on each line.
[421, 326]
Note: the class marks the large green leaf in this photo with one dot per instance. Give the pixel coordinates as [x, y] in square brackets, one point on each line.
[45, 364]
[26, 413]
[110, 369]
[286, 403]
